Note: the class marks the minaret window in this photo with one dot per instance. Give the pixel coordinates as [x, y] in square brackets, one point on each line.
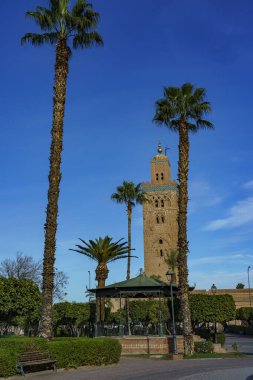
[162, 219]
[161, 252]
[160, 241]
[162, 203]
[162, 177]
[156, 203]
[157, 219]
[157, 176]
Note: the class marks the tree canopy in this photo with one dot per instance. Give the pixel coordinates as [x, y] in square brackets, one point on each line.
[24, 267]
[60, 22]
[212, 308]
[18, 298]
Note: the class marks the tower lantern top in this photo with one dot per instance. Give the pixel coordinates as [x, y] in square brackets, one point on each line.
[159, 150]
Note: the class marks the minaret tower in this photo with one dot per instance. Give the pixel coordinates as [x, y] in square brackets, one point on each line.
[159, 216]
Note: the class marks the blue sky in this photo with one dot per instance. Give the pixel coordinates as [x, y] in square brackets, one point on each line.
[109, 135]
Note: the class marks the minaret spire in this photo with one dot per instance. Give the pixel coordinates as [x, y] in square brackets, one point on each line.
[159, 150]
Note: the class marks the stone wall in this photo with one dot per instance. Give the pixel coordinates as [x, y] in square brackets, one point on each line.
[135, 345]
[240, 296]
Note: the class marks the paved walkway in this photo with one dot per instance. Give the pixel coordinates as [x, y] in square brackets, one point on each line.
[155, 369]
[245, 342]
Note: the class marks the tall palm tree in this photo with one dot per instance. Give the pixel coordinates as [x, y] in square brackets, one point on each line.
[131, 195]
[61, 26]
[182, 109]
[103, 251]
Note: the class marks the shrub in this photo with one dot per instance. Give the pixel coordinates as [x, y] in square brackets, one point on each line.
[210, 335]
[77, 352]
[8, 361]
[203, 347]
[68, 352]
[221, 338]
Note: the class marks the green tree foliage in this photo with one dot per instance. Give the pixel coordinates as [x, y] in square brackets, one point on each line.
[25, 267]
[208, 308]
[147, 311]
[18, 298]
[103, 251]
[240, 285]
[73, 317]
[245, 314]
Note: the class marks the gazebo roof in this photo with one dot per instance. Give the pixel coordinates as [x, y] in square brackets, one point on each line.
[137, 287]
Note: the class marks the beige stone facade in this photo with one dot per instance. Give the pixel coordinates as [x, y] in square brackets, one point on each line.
[159, 216]
[242, 297]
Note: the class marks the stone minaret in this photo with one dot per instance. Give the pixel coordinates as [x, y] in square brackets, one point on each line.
[159, 216]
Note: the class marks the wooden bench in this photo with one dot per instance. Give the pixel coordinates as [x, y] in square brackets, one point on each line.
[31, 359]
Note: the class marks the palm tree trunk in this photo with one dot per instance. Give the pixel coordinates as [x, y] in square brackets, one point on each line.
[101, 302]
[101, 275]
[183, 165]
[60, 83]
[129, 227]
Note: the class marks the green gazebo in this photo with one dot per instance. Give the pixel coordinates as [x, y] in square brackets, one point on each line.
[136, 288]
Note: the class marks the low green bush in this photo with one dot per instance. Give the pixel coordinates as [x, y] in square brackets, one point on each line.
[210, 335]
[221, 338]
[68, 352]
[203, 347]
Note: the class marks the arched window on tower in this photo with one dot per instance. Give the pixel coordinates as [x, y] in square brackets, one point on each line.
[162, 203]
[157, 220]
[161, 252]
[162, 219]
[160, 241]
[162, 176]
[156, 203]
[157, 176]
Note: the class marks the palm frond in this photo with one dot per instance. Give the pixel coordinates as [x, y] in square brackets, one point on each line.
[87, 40]
[183, 103]
[39, 39]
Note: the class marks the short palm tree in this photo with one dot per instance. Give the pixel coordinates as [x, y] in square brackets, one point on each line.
[60, 25]
[103, 251]
[171, 261]
[182, 109]
[131, 195]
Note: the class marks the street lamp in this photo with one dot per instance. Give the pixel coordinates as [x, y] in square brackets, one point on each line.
[213, 290]
[249, 287]
[169, 275]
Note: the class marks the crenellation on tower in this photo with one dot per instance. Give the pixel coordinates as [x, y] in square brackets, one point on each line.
[159, 216]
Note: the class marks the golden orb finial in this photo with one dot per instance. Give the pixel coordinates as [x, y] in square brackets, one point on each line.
[159, 150]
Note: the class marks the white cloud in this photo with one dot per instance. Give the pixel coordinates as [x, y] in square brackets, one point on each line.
[202, 195]
[248, 185]
[240, 214]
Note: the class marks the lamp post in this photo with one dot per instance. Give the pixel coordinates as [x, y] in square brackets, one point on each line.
[169, 275]
[249, 287]
[213, 290]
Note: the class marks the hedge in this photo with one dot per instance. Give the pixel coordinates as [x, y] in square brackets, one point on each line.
[210, 335]
[68, 352]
